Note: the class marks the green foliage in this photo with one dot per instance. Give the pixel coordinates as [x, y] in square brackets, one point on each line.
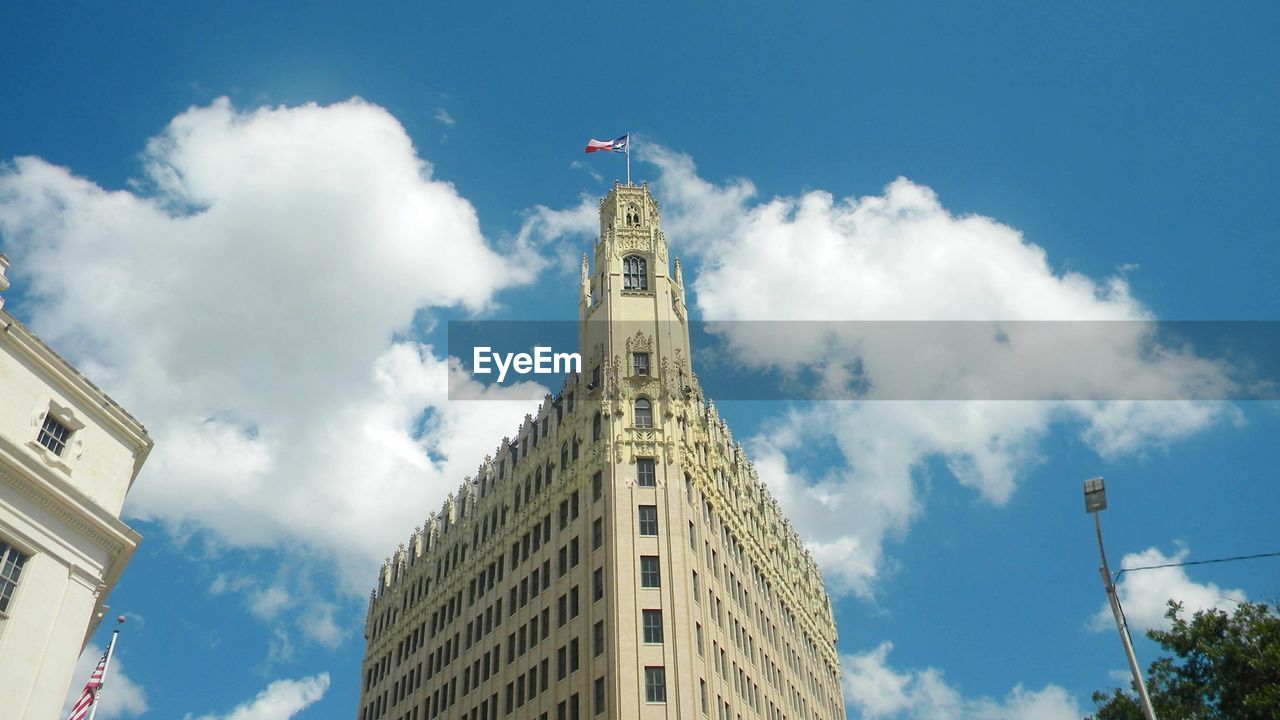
[1223, 667]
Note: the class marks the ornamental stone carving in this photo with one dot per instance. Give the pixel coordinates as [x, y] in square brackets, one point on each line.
[639, 342]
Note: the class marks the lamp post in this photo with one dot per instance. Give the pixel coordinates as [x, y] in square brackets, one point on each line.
[1095, 501]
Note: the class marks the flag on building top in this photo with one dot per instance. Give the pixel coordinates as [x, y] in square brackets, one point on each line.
[618, 145]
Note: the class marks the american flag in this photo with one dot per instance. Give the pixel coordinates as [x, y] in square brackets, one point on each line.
[81, 709]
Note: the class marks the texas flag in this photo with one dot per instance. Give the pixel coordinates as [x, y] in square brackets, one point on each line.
[618, 145]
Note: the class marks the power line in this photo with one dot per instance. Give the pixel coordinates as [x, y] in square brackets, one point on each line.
[1197, 562]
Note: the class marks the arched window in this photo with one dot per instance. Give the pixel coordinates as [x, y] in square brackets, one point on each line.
[595, 428]
[576, 446]
[635, 273]
[644, 413]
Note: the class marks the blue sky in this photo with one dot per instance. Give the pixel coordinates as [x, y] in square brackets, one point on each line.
[1081, 161]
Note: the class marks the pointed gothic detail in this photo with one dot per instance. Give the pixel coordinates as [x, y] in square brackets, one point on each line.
[639, 342]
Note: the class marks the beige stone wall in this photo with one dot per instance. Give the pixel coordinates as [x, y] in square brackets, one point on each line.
[61, 512]
[764, 622]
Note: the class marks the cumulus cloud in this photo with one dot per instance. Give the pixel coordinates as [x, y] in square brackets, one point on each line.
[562, 233]
[1145, 594]
[902, 256]
[876, 690]
[281, 700]
[120, 696]
[251, 298]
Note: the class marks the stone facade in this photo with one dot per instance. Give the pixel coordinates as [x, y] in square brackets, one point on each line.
[68, 456]
[618, 557]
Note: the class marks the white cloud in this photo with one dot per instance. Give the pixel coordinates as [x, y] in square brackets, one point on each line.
[281, 700]
[1144, 595]
[268, 602]
[549, 229]
[120, 696]
[875, 690]
[443, 117]
[248, 300]
[901, 255]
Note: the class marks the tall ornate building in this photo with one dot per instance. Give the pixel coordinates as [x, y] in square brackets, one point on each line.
[68, 456]
[618, 557]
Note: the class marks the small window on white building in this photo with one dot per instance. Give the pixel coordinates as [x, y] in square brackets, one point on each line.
[54, 435]
[11, 562]
[640, 363]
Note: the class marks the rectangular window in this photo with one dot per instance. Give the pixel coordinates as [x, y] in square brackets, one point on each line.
[573, 655]
[650, 572]
[702, 687]
[646, 474]
[655, 684]
[53, 435]
[648, 519]
[600, 700]
[640, 363]
[597, 486]
[597, 584]
[573, 602]
[597, 638]
[562, 662]
[573, 552]
[653, 626]
[597, 533]
[11, 562]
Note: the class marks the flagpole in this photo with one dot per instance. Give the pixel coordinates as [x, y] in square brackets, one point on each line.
[628, 148]
[93, 709]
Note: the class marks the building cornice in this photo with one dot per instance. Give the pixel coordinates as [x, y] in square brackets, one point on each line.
[67, 503]
[71, 382]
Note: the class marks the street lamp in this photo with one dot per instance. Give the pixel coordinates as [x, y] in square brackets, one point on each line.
[1095, 501]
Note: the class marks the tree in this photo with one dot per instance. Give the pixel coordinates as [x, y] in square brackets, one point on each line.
[1224, 667]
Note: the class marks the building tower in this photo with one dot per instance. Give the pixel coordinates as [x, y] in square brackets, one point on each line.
[68, 456]
[618, 557]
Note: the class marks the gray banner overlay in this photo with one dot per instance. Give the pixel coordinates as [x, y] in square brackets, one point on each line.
[904, 360]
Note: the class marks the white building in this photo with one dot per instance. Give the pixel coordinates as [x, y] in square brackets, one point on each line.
[68, 456]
